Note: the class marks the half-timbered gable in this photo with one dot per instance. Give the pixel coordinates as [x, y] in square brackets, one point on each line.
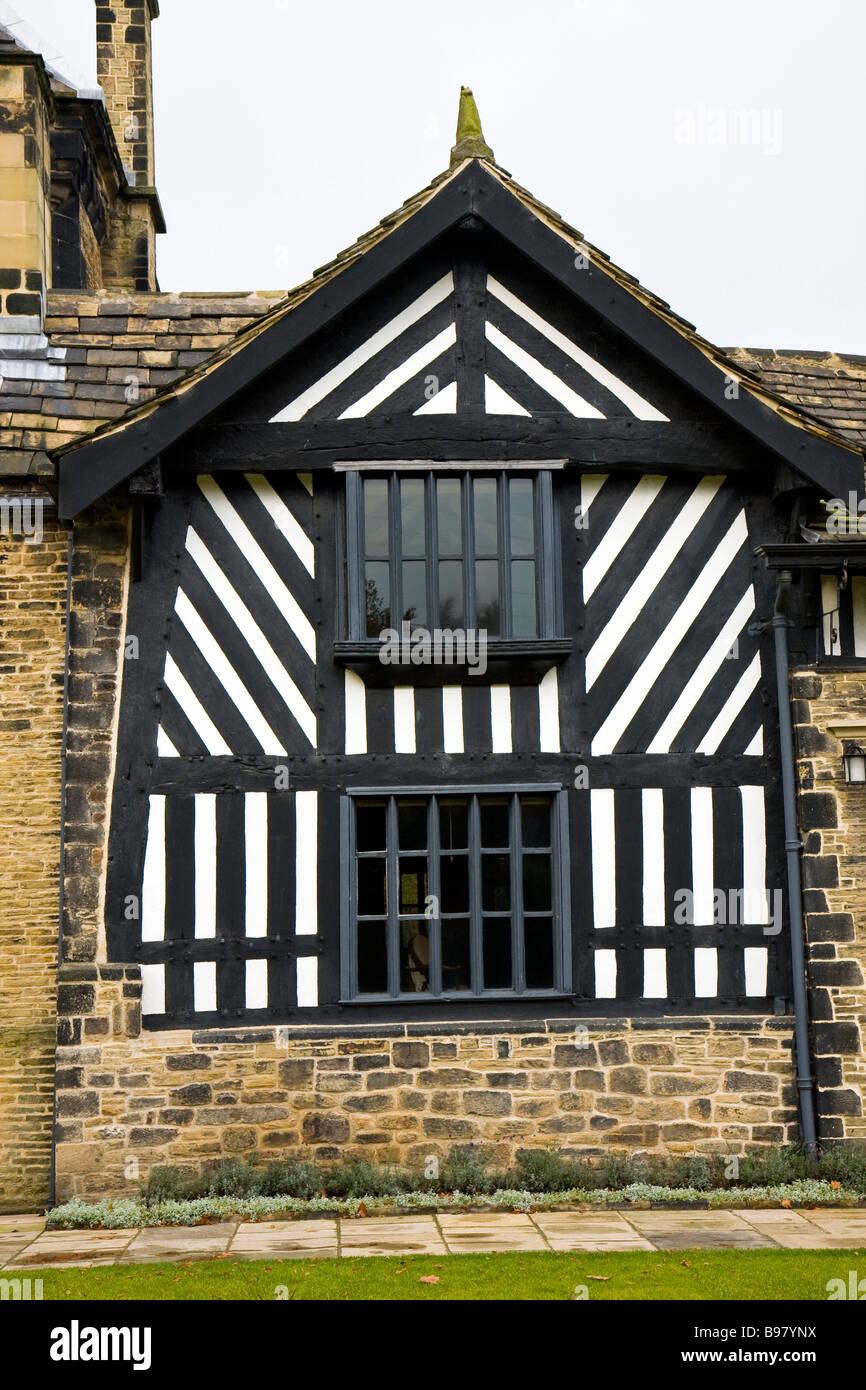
[458, 667]
[492, 434]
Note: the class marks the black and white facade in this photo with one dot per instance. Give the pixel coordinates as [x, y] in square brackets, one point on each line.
[475, 428]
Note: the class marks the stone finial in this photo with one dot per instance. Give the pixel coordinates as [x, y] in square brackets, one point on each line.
[470, 142]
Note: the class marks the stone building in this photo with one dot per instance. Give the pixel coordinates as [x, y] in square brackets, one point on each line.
[389, 692]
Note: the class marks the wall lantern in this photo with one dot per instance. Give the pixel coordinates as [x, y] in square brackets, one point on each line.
[854, 758]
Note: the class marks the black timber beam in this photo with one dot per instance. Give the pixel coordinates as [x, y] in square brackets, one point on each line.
[319, 444]
[335, 772]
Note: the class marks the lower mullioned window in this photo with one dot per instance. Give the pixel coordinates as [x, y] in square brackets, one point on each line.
[455, 893]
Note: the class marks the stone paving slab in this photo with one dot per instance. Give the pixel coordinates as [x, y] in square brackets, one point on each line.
[10, 1246]
[778, 1217]
[254, 1234]
[685, 1221]
[570, 1231]
[788, 1240]
[24, 1244]
[161, 1243]
[713, 1240]
[829, 1221]
[475, 1233]
[10, 1225]
[285, 1240]
[501, 1220]
[57, 1248]
[389, 1236]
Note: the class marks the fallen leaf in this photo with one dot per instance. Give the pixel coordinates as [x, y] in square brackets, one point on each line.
[687, 1263]
[429, 1279]
[600, 1278]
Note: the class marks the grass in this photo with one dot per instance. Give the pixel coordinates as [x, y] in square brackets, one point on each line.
[684, 1275]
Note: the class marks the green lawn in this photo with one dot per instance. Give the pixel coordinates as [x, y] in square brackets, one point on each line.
[681, 1275]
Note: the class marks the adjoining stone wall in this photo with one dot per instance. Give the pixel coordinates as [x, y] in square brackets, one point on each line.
[832, 817]
[32, 639]
[128, 1100]
[25, 217]
[33, 581]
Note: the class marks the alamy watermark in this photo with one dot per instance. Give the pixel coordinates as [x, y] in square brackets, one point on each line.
[22, 516]
[421, 646]
[733, 125]
[846, 518]
[77, 1343]
[20, 1290]
[854, 1290]
[730, 908]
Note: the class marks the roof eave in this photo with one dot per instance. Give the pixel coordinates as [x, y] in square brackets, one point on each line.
[475, 187]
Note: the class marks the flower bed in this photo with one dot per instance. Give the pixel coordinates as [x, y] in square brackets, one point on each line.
[126, 1213]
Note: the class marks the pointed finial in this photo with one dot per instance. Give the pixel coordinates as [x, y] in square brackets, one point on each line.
[470, 143]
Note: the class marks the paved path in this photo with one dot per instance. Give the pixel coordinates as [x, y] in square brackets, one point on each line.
[25, 1244]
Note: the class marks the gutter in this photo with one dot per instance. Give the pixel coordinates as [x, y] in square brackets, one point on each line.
[793, 848]
[52, 1196]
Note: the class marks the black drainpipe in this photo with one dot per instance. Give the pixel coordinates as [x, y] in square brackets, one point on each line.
[61, 894]
[793, 848]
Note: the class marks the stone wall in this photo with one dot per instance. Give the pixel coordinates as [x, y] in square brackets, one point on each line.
[32, 637]
[832, 817]
[128, 1100]
[25, 218]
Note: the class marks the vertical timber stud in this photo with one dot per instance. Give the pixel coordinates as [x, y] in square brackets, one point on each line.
[470, 308]
[793, 848]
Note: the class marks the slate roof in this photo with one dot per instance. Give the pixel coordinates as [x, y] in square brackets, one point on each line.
[114, 357]
[108, 353]
[829, 385]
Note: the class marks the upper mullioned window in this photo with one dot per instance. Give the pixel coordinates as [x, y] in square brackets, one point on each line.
[465, 551]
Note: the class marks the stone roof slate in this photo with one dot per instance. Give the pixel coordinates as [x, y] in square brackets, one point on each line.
[102, 356]
[829, 385]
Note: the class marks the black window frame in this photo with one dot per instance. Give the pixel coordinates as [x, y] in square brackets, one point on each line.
[549, 623]
[560, 894]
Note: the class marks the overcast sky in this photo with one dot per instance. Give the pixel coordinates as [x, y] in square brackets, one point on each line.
[285, 129]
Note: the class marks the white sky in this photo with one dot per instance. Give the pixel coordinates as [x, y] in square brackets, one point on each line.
[286, 129]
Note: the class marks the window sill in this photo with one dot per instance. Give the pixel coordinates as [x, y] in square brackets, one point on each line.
[462, 997]
[519, 662]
